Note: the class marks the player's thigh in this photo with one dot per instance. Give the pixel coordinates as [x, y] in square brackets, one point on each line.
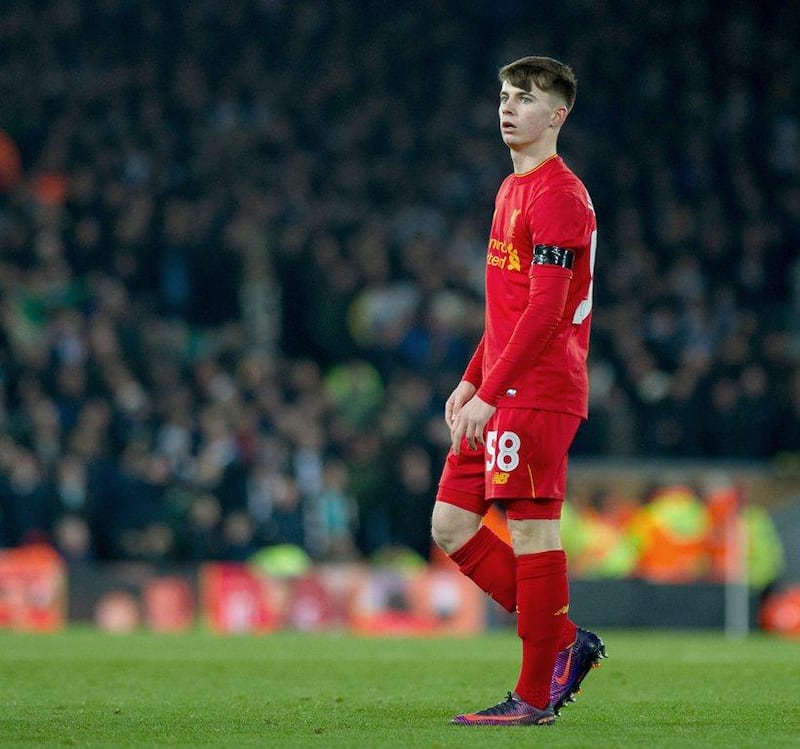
[463, 480]
[527, 460]
[460, 502]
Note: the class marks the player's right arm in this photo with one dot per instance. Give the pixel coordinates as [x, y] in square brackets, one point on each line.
[470, 382]
[461, 395]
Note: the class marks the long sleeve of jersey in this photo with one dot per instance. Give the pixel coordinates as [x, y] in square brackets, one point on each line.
[474, 371]
[535, 327]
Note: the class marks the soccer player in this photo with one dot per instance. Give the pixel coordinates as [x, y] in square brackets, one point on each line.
[514, 415]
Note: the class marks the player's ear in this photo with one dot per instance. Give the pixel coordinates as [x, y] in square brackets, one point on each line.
[559, 115]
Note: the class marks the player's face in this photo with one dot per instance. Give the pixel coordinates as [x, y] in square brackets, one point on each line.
[526, 116]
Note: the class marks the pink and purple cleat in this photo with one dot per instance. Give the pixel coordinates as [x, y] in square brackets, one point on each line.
[512, 712]
[572, 666]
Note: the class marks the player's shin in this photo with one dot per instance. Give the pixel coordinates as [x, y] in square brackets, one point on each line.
[542, 605]
[490, 563]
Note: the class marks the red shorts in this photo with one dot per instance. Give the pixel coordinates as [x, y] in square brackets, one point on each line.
[523, 464]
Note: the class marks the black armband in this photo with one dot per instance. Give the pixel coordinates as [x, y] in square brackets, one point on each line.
[549, 254]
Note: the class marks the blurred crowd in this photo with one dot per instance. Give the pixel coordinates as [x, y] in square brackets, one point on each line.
[242, 246]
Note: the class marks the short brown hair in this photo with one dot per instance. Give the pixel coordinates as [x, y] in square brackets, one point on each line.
[549, 75]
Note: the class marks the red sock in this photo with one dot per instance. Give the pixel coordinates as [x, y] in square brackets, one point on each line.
[542, 603]
[490, 563]
[568, 629]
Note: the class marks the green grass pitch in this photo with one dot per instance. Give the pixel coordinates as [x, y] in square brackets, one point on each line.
[84, 689]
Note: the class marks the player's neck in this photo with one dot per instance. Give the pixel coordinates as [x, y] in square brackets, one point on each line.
[527, 160]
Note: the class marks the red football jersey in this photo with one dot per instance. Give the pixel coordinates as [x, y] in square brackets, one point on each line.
[545, 368]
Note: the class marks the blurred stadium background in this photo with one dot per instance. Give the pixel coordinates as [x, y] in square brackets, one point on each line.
[241, 261]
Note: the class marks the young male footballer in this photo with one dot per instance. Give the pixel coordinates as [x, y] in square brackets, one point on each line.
[514, 415]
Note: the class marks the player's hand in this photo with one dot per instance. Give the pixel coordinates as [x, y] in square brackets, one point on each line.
[463, 392]
[469, 424]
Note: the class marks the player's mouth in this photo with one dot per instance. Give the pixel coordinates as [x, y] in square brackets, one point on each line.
[506, 126]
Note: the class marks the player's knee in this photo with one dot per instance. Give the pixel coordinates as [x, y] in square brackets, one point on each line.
[534, 536]
[452, 527]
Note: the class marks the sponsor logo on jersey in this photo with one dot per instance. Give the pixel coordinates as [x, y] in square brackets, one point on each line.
[503, 255]
[500, 477]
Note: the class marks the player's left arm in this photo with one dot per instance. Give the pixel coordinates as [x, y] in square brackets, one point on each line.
[562, 230]
[546, 301]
